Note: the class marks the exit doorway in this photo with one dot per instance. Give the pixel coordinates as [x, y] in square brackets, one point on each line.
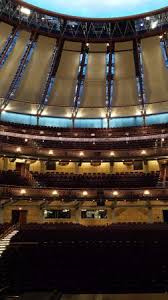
[19, 217]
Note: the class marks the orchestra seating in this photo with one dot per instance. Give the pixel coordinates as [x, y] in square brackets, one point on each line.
[13, 178]
[46, 257]
[100, 180]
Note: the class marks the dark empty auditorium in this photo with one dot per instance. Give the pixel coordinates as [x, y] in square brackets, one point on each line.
[84, 150]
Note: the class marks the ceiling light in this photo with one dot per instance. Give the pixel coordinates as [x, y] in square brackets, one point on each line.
[85, 193]
[18, 149]
[112, 153]
[154, 24]
[143, 152]
[87, 44]
[25, 10]
[50, 152]
[115, 193]
[81, 153]
[26, 140]
[54, 193]
[23, 191]
[146, 192]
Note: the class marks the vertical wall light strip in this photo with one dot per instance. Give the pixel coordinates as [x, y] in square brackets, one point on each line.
[55, 60]
[8, 47]
[110, 71]
[142, 100]
[164, 47]
[20, 71]
[82, 70]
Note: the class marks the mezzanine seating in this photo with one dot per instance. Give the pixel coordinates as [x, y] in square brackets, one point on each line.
[12, 178]
[86, 132]
[101, 180]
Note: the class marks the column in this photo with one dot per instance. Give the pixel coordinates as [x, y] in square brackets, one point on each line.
[150, 216]
[42, 166]
[5, 164]
[146, 166]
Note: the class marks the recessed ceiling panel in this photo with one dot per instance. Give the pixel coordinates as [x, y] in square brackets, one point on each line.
[100, 8]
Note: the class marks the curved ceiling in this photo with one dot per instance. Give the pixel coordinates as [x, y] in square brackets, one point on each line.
[99, 8]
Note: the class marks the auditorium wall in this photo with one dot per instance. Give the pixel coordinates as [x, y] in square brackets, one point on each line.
[86, 167]
[134, 212]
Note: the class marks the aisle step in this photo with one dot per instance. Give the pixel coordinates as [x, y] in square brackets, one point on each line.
[6, 241]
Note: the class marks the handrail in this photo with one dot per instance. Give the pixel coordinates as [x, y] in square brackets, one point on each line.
[9, 230]
[82, 139]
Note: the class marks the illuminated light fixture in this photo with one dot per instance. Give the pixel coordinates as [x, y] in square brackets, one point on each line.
[163, 139]
[143, 152]
[87, 44]
[81, 153]
[92, 134]
[41, 132]
[20, 208]
[26, 140]
[112, 153]
[65, 210]
[50, 152]
[85, 193]
[108, 44]
[146, 192]
[25, 10]
[68, 115]
[154, 24]
[58, 133]
[115, 193]
[23, 191]
[161, 36]
[54, 193]
[18, 149]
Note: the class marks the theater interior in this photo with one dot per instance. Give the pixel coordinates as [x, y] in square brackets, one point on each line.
[83, 155]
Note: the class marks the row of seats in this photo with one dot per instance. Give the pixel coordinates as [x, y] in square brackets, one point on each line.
[51, 232]
[119, 145]
[86, 132]
[128, 180]
[107, 259]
